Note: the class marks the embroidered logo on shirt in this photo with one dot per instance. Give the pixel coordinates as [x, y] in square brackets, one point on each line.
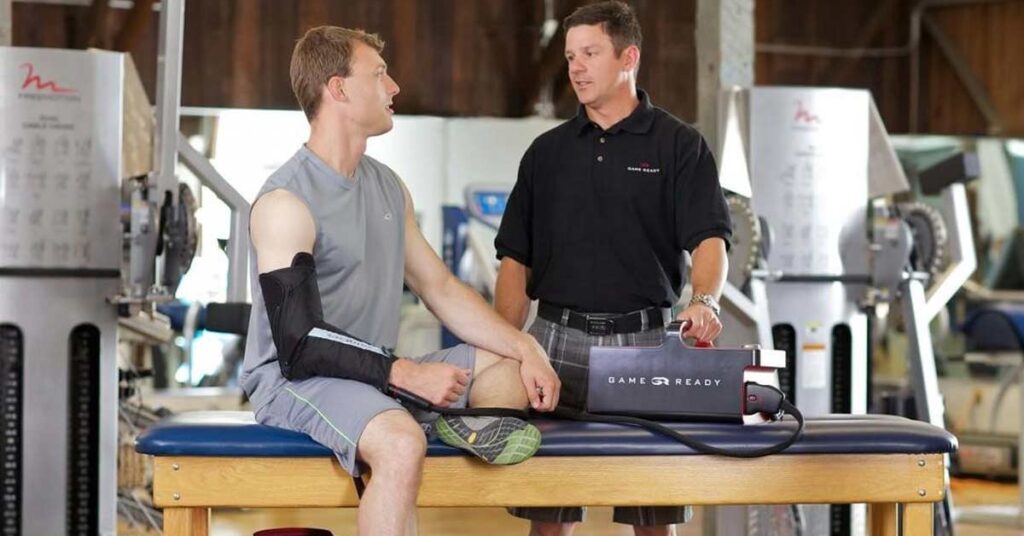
[643, 167]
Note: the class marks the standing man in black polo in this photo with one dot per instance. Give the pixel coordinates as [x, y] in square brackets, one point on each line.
[595, 228]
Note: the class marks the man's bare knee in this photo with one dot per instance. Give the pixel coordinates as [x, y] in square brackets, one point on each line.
[484, 360]
[502, 367]
[393, 440]
[499, 384]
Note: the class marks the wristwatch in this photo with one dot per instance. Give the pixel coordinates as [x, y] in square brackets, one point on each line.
[706, 300]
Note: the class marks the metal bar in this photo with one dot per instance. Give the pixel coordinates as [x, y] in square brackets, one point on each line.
[752, 310]
[923, 376]
[921, 356]
[63, 273]
[759, 295]
[850, 279]
[238, 257]
[975, 88]
[961, 250]
[1020, 450]
[168, 96]
[210, 177]
[238, 242]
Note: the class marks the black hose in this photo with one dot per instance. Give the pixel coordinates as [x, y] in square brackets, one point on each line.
[694, 444]
[562, 412]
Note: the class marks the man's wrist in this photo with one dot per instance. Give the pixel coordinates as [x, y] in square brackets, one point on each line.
[707, 300]
[400, 370]
[525, 347]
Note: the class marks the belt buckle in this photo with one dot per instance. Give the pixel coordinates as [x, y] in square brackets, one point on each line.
[599, 326]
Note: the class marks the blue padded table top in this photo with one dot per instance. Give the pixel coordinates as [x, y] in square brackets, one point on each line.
[236, 433]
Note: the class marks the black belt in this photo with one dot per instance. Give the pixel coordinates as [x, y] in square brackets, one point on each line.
[605, 324]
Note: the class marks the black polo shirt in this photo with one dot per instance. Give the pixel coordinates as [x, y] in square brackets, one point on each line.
[601, 217]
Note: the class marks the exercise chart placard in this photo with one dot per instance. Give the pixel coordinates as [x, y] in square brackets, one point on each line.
[809, 157]
[61, 159]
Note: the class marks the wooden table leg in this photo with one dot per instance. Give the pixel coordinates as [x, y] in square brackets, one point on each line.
[186, 521]
[884, 519]
[918, 519]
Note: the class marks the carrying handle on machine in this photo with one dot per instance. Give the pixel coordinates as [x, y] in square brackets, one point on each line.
[676, 328]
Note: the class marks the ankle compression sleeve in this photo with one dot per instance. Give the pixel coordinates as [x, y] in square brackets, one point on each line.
[306, 345]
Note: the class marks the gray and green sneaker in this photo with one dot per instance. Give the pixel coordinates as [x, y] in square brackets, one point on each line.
[495, 440]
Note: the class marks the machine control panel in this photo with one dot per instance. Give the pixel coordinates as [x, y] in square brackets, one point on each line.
[486, 202]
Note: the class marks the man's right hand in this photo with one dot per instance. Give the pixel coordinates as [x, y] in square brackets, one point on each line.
[440, 384]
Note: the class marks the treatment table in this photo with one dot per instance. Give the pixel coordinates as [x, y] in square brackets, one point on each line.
[213, 459]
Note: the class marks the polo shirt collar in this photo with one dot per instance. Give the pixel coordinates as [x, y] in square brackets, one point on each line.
[637, 122]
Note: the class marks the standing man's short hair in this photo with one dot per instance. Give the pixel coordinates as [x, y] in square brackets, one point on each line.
[616, 18]
[324, 51]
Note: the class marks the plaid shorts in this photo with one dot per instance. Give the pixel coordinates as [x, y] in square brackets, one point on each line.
[569, 350]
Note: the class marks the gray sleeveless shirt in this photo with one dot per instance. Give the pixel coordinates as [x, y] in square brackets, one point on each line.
[359, 254]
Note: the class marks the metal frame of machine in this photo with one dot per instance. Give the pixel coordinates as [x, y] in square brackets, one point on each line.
[816, 159]
[59, 262]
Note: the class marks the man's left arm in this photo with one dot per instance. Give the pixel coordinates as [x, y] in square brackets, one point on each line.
[703, 227]
[710, 266]
[471, 318]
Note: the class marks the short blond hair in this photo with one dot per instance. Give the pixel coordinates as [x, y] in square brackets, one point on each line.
[324, 51]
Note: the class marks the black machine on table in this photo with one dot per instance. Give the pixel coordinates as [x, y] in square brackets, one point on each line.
[641, 385]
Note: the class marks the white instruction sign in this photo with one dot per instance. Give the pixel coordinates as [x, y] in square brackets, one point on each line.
[60, 144]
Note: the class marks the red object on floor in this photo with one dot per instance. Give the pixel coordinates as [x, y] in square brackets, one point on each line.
[293, 531]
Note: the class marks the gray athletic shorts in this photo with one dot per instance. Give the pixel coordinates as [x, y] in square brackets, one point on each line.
[569, 350]
[334, 411]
